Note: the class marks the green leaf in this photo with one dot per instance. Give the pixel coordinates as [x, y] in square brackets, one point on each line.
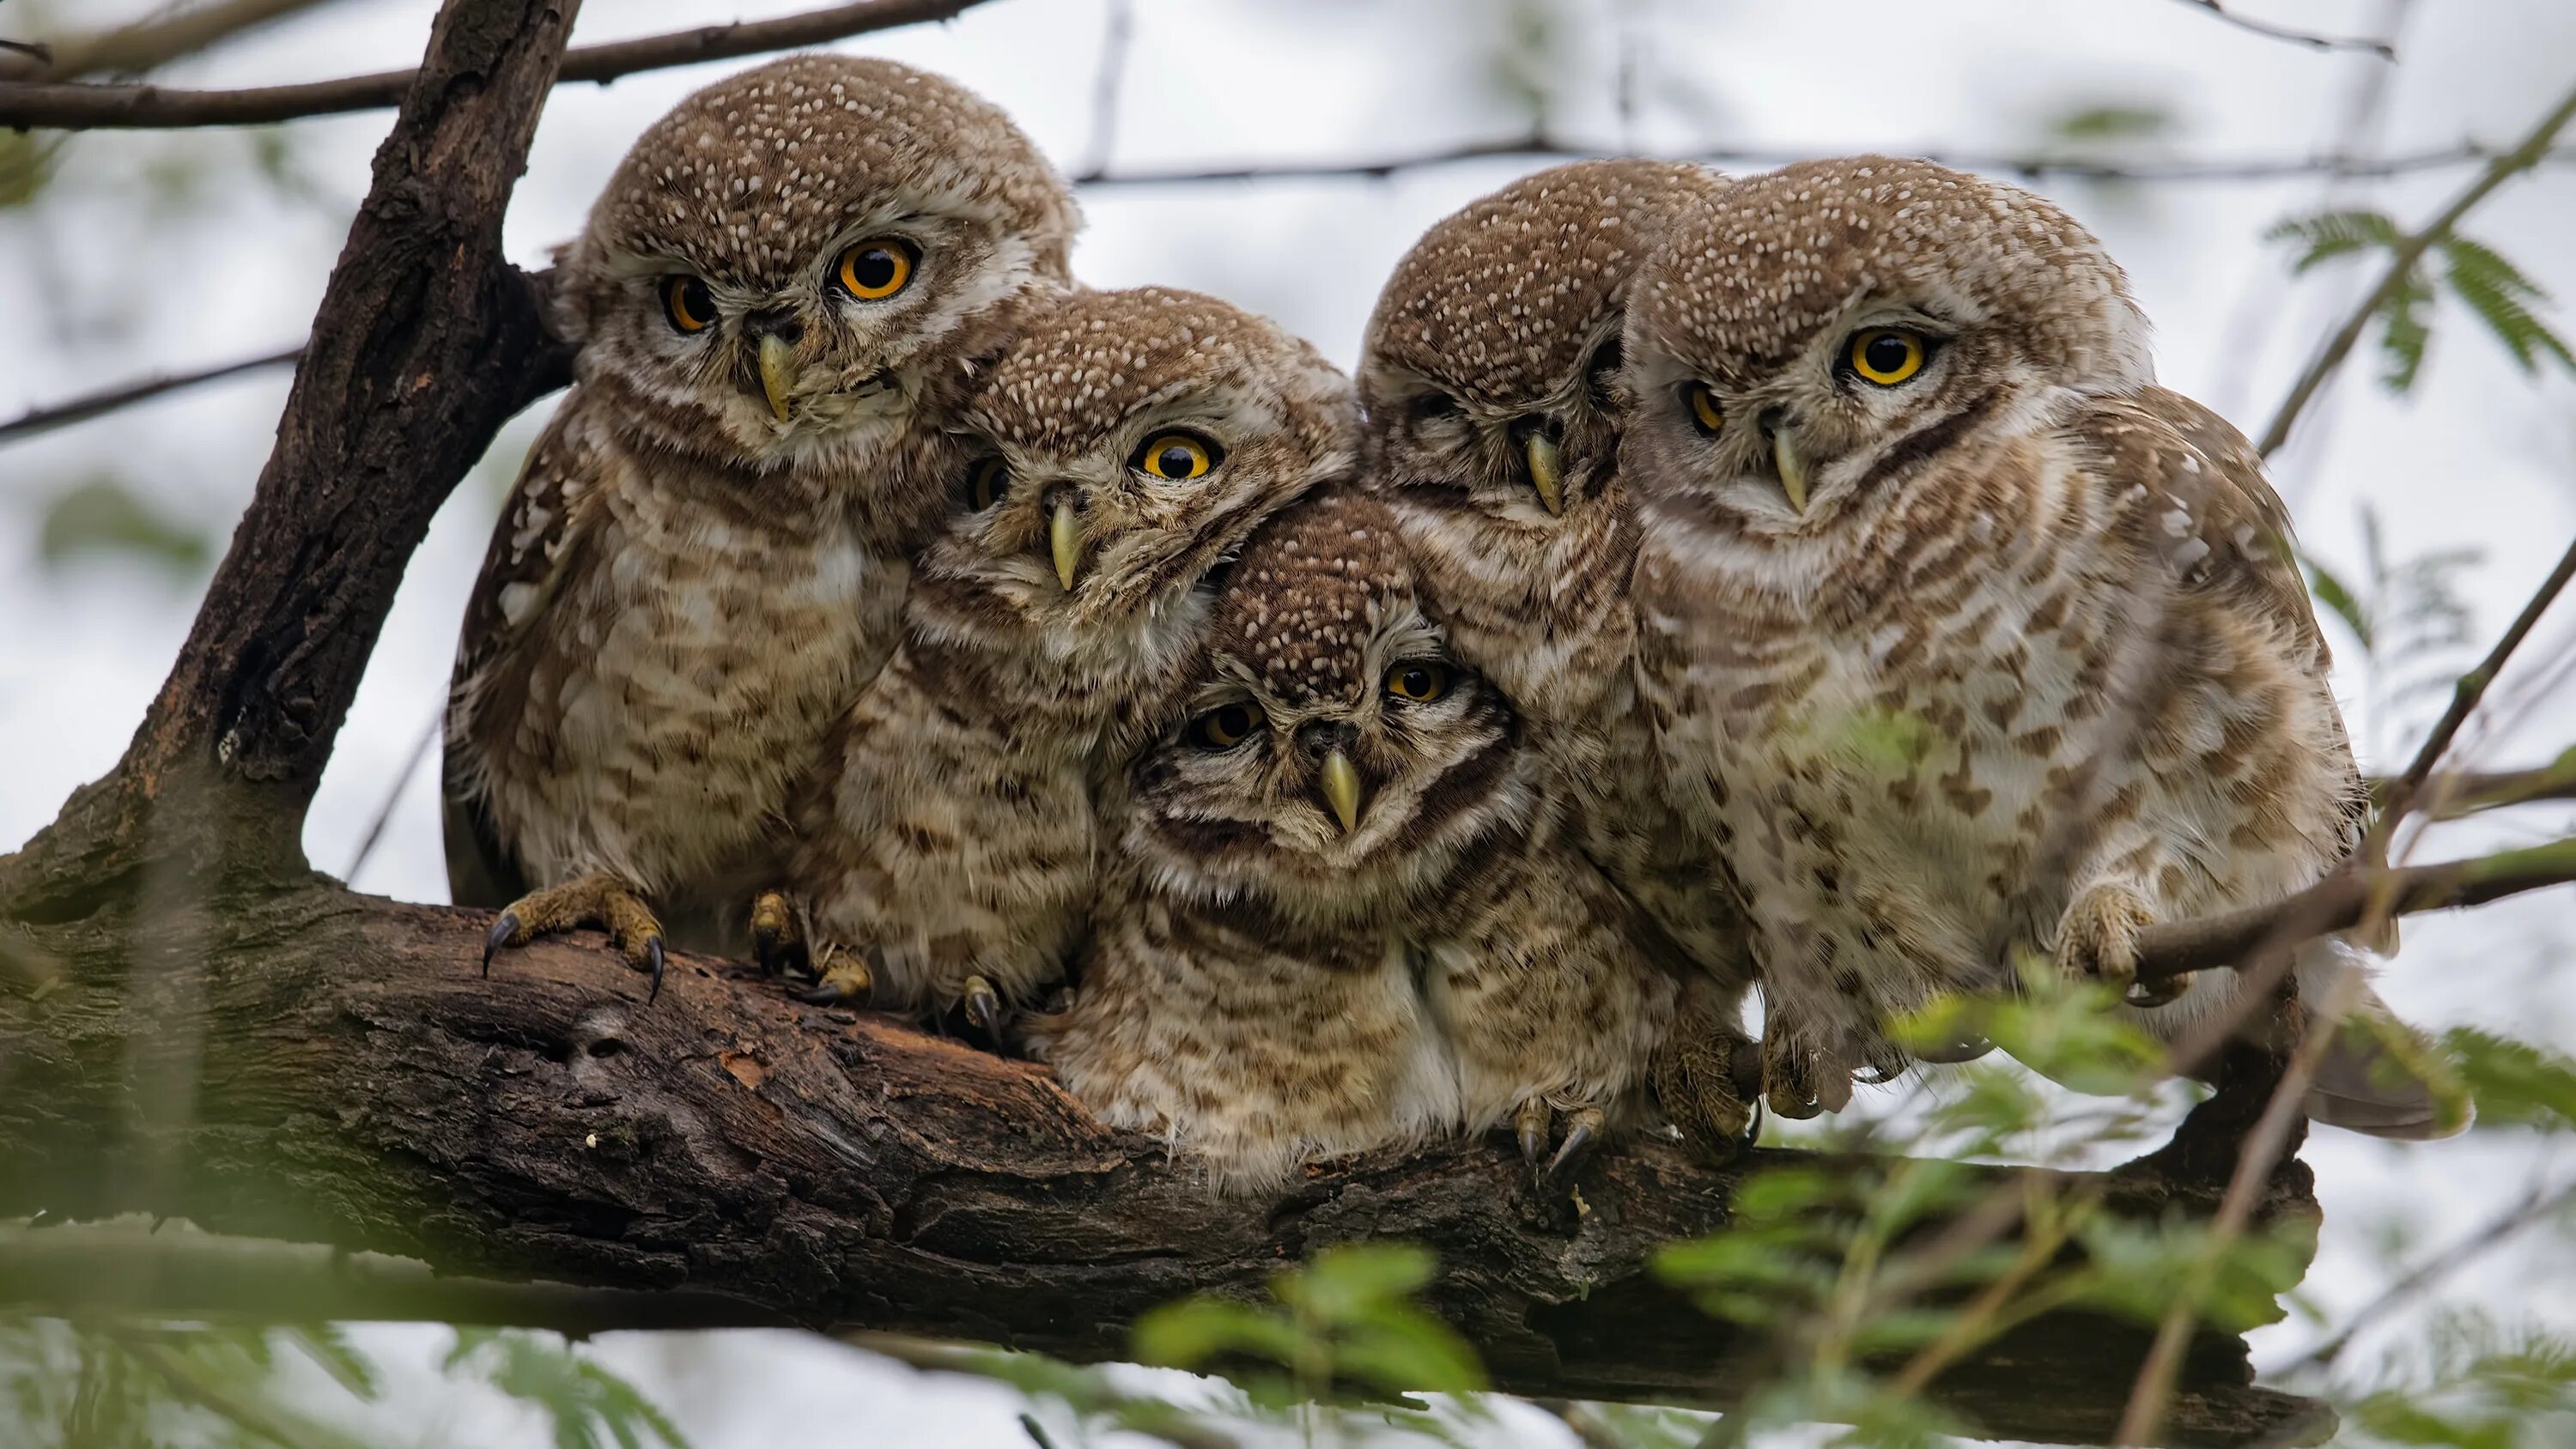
[1193, 1331]
[1407, 1351]
[2404, 334]
[328, 1346]
[2502, 297]
[2332, 234]
[2117, 121]
[2514, 1084]
[2338, 596]
[103, 516]
[1348, 1282]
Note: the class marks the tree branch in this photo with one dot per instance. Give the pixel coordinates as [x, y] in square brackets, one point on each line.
[99, 404]
[2313, 41]
[148, 44]
[99, 107]
[2401, 263]
[356, 1083]
[2473, 685]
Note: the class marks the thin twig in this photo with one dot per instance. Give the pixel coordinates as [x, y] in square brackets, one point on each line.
[98, 404]
[393, 797]
[2452, 794]
[2346, 899]
[1108, 84]
[2027, 165]
[2531, 1209]
[96, 107]
[2381, 48]
[2473, 685]
[2261, 1150]
[2401, 265]
[1084, 1390]
[149, 44]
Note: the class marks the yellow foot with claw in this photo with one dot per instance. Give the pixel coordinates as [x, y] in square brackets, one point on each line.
[1533, 1125]
[983, 1007]
[777, 938]
[844, 977]
[591, 900]
[1707, 1082]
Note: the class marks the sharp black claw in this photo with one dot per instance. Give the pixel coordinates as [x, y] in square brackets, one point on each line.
[1533, 1140]
[653, 954]
[498, 937]
[983, 1008]
[1568, 1153]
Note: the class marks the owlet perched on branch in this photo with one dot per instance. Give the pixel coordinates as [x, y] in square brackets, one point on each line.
[1490, 375]
[1343, 909]
[1961, 636]
[1121, 448]
[778, 299]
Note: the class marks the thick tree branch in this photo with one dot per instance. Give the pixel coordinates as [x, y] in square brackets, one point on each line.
[98, 107]
[2401, 263]
[356, 1083]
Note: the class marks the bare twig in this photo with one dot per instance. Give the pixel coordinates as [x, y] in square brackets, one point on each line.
[2473, 685]
[2381, 48]
[2534, 1207]
[149, 44]
[98, 404]
[2261, 1151]
[1106, 86]
[2028, 165]
[1084, 1389]
[393, 795]
[2401, 264]
[2451, 794]
[95, 107]
[2347, 898]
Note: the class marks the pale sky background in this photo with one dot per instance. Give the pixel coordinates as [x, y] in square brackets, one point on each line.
[164, 252]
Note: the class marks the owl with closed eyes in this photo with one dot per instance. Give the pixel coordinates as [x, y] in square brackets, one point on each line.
[1343, 910]
[780, 298]
[1116, 453]
[1962, 638]
[1490, 375]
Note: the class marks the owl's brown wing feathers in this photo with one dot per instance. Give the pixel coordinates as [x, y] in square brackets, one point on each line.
[534, 547]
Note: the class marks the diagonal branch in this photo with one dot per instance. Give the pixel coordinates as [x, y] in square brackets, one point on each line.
[148, 44]
[98, 107]
[2403, 792]
[2313, 41]
[99, 404]
[2401, 264]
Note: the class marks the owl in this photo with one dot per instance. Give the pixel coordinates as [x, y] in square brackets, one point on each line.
[1960, 637]
[778, 300]
[1343, 908]
[1490, 376]
[1122, 448]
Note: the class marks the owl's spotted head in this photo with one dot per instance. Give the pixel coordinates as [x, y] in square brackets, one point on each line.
[795, 257]
[1490, 367]
[1336, 760]
[1127, 443]
[1806, 342]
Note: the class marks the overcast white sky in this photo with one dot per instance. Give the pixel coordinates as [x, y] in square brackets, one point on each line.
[165, 252]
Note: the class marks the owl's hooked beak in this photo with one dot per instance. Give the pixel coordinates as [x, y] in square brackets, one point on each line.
[1341, 782]
[1064, 538]
[1546, 470]
[1791, 462]
[778, 369]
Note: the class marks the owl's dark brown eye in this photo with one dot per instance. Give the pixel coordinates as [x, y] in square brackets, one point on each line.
[1432, 404]
[875, 270]
[1887, 355]
[1178, 456]
[1226, 726]
[988, 483]
[1419, 680]
[688, 303]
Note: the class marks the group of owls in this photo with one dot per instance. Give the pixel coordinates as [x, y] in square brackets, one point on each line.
[1796, 583]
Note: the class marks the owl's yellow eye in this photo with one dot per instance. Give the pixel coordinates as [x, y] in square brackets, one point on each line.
[1707, 413]
[1177, 456]
[988, 484]
[688, 303]
[1226, 726]
[875, 270]
[1419, 680]
[1887, 355]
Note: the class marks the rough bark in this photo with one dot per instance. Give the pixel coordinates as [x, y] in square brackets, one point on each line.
[320, 1067]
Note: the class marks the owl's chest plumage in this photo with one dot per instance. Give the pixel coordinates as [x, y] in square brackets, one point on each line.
[679, 686]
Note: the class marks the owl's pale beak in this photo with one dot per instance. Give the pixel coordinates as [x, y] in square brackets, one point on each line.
[1064, 540]
[1792, 465]
[1547, 471]
[1341, 781]
[777, 372]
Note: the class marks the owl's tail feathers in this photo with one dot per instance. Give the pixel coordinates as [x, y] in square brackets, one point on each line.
[2378, 1076]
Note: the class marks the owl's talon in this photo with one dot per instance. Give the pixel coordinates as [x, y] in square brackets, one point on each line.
[1583, 1128]
[654, 953]
[777, 942]
[1708, 1080]
[1531, 1121]
[845, 980]
[2097, 938]
[2148, 995]
[983, 1006]
[504, 932]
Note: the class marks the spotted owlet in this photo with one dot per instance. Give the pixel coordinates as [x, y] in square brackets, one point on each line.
[1490, 374]
[1962, 638]
[1343, 910]
[1120, 449]
[779, 295]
